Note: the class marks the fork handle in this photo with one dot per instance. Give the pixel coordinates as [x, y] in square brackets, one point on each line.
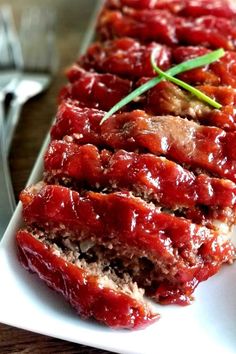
[7, 200]
[12, 120]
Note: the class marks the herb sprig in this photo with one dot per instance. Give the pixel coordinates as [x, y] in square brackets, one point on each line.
[199, 94]
[169, 75]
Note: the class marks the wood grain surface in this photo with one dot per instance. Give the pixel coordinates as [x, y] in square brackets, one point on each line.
[73, 17]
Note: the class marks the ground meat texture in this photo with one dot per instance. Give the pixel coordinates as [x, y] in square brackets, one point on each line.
[186, 8]
[87, 292]
[125, 57]
[115, 215]
[184, 252]
[204, 200]
[154, 178]
[183, 141]
[164, 27]
[169, 99]
[165, 98]
[96, 90]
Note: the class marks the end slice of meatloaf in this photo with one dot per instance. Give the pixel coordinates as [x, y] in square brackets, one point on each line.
[91, 290]
[160, 251]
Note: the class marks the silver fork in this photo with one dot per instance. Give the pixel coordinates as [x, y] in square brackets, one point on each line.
[8, 69]
[10, 52]
[37, 37]
[7, 200]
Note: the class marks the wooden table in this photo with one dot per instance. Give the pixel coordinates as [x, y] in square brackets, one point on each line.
[73, 16]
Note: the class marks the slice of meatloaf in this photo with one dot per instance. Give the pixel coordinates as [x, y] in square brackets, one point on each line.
[128, 58]
[166, 255]
[91, 289]
[125, 57]
[204, 199]
[186, 142]
[164, 27]
[90, 89]
[96, 90]
[186, 8]
[169, 99]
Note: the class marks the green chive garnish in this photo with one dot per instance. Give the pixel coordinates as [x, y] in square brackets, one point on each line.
[184, 85]
[178, 69]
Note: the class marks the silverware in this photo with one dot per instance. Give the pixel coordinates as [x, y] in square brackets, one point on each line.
[11, 57]
[7, 200]
[8, 69]
[37, 37]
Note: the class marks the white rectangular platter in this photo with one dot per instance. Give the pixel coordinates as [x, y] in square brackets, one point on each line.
[207, 326]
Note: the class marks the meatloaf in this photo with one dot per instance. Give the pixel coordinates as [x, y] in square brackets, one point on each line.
[143, 205]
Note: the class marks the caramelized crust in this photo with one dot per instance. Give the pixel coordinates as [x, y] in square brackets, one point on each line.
[183, 141]
[186, 8]
[168, 99]
[167, 28]
[145, 25]
[83, 288]
[183, 254]
[91, 90]
[95, 90]
[154, 178]
[221, 72]
[82, 122]
[125, 57]
[115, 216]
[128, 58]
[204, 200]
